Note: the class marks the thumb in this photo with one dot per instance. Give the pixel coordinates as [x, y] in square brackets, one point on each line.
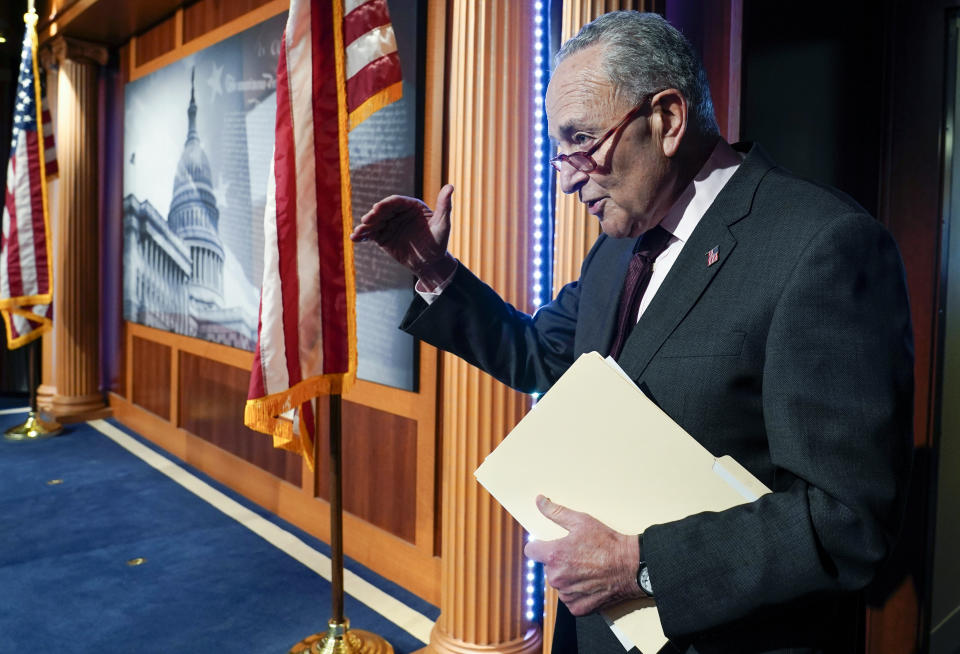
[555, 512]
[445, 202]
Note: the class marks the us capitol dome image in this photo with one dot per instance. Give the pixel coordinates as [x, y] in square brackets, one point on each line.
[173, 267]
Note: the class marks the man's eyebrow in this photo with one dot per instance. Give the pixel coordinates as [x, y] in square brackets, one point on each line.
[565, 130]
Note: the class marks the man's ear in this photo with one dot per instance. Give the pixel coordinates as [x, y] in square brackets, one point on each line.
[669, 119]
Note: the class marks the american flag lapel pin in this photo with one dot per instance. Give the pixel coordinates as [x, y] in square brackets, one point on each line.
[713, 255]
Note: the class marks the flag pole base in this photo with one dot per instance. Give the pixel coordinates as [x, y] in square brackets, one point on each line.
[341, 639]
[33, 429]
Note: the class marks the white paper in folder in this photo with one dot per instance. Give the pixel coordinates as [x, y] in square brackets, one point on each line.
[582, 446]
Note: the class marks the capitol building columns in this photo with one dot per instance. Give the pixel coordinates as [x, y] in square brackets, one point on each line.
[76, 299]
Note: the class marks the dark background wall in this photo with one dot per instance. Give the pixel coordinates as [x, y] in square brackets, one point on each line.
[812, 90]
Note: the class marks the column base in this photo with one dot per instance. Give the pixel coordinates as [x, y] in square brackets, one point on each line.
[441, 643]
[79, 408]
[45, 395]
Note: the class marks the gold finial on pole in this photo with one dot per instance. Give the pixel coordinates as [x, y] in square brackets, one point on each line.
[30, 18]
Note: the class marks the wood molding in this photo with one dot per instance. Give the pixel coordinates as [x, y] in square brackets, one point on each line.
[407, 565]
[230, 356]
[225, 31]
[62, 48]
[385, 398]
[178, 29]
[57, 21]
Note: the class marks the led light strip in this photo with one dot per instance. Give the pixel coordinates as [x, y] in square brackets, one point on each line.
[542, 230]
[542, 242]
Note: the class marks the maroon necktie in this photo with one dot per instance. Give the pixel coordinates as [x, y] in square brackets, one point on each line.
[645, 252]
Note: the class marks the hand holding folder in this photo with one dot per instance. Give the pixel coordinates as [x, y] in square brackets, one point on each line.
[595, 443]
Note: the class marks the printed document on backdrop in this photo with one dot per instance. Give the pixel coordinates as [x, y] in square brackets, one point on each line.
[602, 447]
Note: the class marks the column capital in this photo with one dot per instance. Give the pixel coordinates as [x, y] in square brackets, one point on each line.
[63, 48]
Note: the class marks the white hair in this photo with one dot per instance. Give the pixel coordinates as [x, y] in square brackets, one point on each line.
[643, 54]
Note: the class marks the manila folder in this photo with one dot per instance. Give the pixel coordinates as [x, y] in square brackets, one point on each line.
[595, 443]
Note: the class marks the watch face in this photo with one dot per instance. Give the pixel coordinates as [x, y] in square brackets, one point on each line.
[645, 581]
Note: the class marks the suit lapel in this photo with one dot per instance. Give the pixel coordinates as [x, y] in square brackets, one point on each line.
[686, 281]
[691, 273]
[612, 277]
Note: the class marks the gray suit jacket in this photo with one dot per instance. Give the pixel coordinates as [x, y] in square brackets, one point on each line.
[792, 353]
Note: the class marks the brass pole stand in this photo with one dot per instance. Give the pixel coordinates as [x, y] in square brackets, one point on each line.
[34, 428]
[339, 638]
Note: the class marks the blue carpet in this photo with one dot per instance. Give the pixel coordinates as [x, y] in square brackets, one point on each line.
[208, 584]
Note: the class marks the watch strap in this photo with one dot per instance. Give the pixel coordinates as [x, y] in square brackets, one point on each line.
[643, 575]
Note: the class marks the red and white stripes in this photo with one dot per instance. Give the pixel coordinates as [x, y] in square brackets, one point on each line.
[373, 67]
[307, 334]
[25, 259]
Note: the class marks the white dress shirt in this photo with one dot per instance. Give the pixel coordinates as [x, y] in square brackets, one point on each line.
[689, 208]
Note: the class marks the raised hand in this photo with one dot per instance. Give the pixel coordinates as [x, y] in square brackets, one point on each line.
[592, 566]
[413, 234]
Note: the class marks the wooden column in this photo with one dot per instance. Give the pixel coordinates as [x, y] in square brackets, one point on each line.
[46, 390]
[489, 152]
[76, 297]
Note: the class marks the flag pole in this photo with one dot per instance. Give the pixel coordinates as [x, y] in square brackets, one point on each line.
[340, 638]
[336, 511]
[34, 428]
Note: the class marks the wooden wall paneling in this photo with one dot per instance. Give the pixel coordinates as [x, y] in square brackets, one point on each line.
[211, 400]
[173, 389]
[379, 467]
[178, 22]
[194, 40]
[128, 362]
[420, 410]
[371, 546]
[110, 22]
[152, 376]
[207, 15]
[157, 41]
[221, 353]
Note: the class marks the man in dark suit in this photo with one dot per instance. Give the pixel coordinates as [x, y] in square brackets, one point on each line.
[765, 314]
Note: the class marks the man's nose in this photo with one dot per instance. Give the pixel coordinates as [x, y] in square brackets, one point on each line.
[570, 179]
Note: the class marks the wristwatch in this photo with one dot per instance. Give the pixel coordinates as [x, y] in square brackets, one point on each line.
[643, 575]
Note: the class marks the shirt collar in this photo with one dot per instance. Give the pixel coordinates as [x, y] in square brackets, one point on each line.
[693, 203]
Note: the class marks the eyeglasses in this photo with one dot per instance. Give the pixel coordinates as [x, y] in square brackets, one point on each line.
[583, 161]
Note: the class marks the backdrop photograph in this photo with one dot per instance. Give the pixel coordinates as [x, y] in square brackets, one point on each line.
[198, 139]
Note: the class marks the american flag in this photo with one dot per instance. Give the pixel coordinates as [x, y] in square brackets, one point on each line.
[338, 65]
[713, 255]
[26, 275]
[373, 67]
